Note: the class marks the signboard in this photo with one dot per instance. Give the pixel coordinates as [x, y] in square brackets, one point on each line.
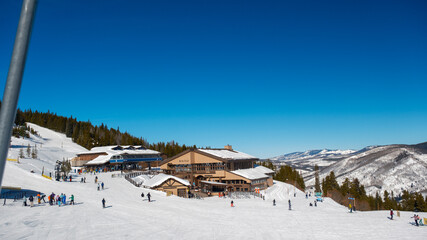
[351, 198]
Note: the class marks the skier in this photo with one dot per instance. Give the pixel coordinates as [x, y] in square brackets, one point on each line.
[96, 179]
[289, 202]
[306, 195]
[32, 199]
[416, 219]
[349, 206]
[149, 197]
[391, 214]
[72, 199]
[102, 185]
[84, 180]
[232, 203]
[274, 202]
[98, 186]
[70, 178]
[38, 199]
[25, 201]
[142, 195]
[64, 199]
[315, 203]
[103, 203]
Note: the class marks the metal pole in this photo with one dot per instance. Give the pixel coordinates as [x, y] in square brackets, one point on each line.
[14, 79]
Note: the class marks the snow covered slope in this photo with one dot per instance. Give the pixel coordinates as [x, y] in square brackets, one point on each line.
[128, 216]
[392, 168]
[51, 146]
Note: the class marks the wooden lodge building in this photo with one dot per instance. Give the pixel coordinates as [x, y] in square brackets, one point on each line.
[118, 158]
[219, 170]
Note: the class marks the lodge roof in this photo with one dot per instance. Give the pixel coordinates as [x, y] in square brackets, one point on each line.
[116, 150]
[224, 155]
[156, 180]
[252, 173]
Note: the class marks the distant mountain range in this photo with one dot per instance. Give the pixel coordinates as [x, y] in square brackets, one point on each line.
[390, 167]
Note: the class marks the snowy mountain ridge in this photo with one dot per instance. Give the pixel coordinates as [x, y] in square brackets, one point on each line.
[305, 161]
[391, 167]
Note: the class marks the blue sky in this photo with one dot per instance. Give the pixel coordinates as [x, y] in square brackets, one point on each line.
[268, 77]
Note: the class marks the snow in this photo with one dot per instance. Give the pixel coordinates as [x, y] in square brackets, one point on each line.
[128, 216]
[51, 147]
[227, 154]
[264, 170]
[214, 183]
[101, 159]
[110, 151]
[156, 180]
[250, 173]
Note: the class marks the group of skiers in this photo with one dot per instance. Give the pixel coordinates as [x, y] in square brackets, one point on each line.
[52, 198]
[60, 199]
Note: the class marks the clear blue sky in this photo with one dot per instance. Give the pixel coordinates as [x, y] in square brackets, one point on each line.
[268, 77]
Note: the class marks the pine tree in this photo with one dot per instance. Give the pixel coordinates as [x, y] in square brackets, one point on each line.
[316, 179]
[28, 151]
[34, 153]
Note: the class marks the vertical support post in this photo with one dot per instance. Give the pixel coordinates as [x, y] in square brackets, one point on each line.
[14, 79]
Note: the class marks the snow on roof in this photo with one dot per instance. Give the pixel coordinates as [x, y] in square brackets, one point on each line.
[264, 170]
[250, 173]
[227, 154]
[101, 159]
[156, 180]
[213, 183]
[109, 150]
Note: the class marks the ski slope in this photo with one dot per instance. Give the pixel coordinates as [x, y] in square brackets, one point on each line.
[51, 147]
[128, 216]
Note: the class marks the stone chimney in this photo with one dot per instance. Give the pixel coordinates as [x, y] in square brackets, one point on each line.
[228, 147]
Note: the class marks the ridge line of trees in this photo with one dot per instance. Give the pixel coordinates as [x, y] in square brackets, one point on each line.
[86, 134]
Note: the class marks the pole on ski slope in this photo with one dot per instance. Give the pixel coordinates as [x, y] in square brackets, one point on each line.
[14, 79]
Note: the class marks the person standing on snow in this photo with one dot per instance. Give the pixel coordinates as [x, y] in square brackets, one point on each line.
[232, 203]
[70, 178]
[72, 199]
[274, 202]
[289, 202]
[32, 199]
[391, 214]
[103, 203]
[25, 201]
[149, 197]
[142, 195]
[102, 185]
[98, 186]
